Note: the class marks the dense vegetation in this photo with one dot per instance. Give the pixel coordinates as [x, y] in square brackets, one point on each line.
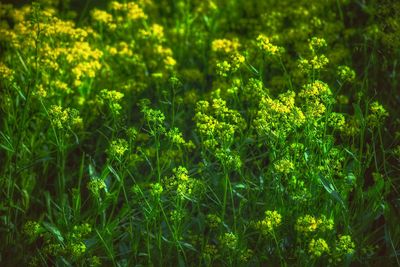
[200, 133]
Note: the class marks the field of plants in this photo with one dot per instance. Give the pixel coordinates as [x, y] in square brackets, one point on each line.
[200, 133]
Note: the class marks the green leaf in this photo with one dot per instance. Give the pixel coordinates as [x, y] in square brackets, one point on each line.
[329, 187]
[54, 230]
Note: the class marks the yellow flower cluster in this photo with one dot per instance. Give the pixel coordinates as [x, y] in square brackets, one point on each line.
[377, 114]
[177, 215]
[118, 148]
[64, 118]
[225, 67]
[175, 136]
[225, 46]
[63, 46]
[96, 185]
[318, 62]
[131, 9]
[85, 61]
[278, 117]
[113, 99]
[5, 72]
[155, 32]
[316, 44]
[229, 159]
[229, 241]
[309, 224]
[315, 60]
[101, 16]
[180, 183]
[318, 247]
[264, 43]
[337, 121]
[344, 246]
[270, 223]
[154, 117]
[217, 124]
[32, 229]
[156, 189]
[346, 74]
[316, 96]
[230, 59]
[284, 166]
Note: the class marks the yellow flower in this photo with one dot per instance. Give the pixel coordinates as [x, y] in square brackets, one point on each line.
[225, 45]
[284, 166]
[64, 118]
[229, 241]
[264, 43]
[377, 115]
[118, 148]
[101, 16]
[344, 246]
[135, 12]
[316, 44]
[318, 247]
[271, 221]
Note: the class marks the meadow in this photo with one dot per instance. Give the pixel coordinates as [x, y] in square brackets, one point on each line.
[200, 133]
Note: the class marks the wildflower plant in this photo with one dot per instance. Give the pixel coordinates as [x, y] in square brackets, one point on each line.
[199, 133]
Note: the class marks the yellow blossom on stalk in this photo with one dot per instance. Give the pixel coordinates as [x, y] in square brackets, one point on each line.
[101, 16]
[118, 148]
[169, 62]
[156, 189]
[229, 241]
[236, 61]
[269, 224]
[96, 185]
[346, 74]
[377, 115]
[304, 65]
[284, 166]
[319, 62]
[264, 43]
[157, 31]
[316, 89]
[217, 123]
[337, 121]
[135, 12]
[32, 229]
[113, 99]
[278, 117]
[180, 183]
[225, 45]
[318, 247]
[223, 68]
[112, 50]
[114, 5]
[344, 246]
[64, 118]
[307, 224]
[5, 72]
[124, 49]
[316, 44]
[77, 248]
[175, 136]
